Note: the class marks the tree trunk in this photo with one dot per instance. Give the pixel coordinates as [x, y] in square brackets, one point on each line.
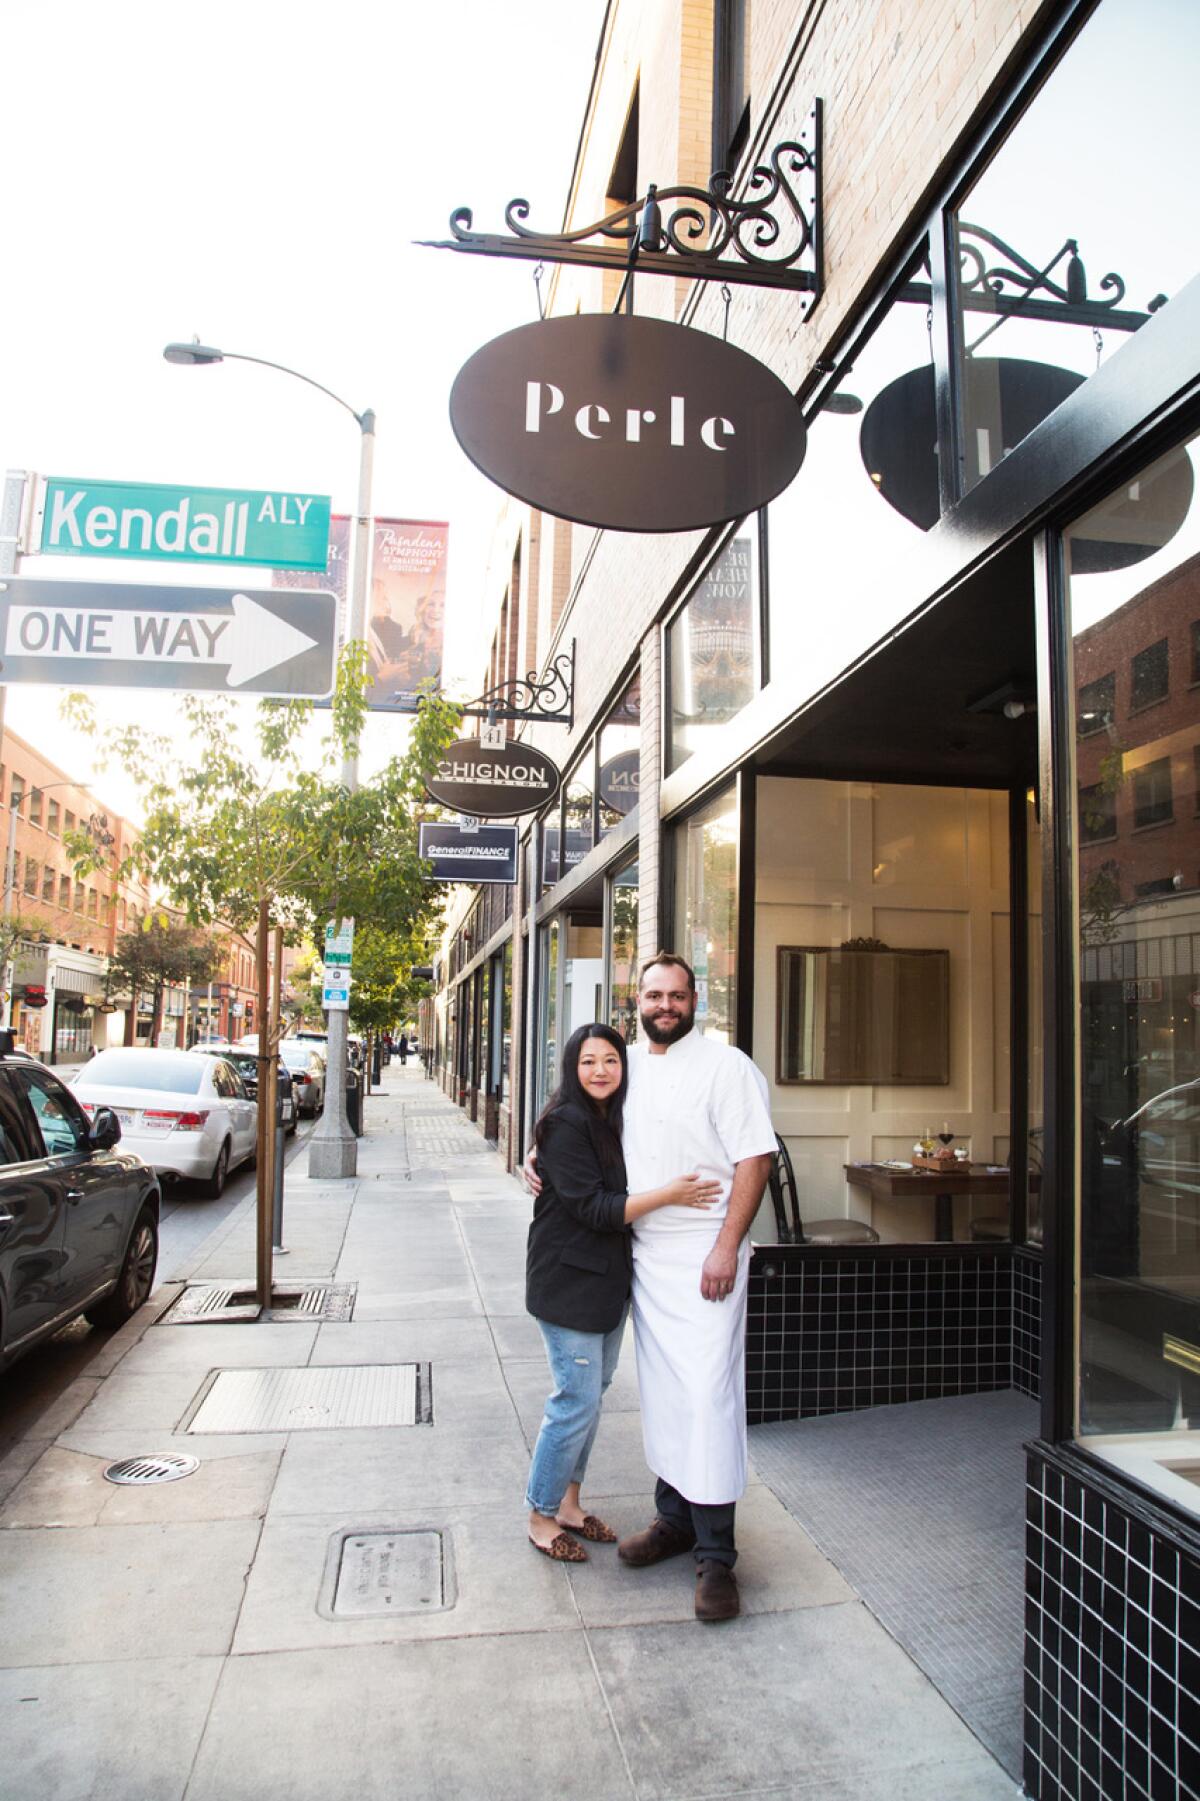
[131, 1016]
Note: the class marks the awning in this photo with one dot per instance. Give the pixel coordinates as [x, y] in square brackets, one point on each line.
[78, 981]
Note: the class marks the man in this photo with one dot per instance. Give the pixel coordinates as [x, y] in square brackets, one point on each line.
[693, 1104]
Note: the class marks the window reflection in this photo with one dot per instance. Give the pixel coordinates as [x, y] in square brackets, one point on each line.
[623, 952]
[1139, 927]
[868, 488]
[1055, 274]
[706, 928]
[712, 646]
[620, 758]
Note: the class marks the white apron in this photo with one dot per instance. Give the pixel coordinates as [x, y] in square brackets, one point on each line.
[700, 1106]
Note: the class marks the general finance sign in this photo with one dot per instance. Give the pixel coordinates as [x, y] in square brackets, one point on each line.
[184, 525]
[629, 423]
[493, 784]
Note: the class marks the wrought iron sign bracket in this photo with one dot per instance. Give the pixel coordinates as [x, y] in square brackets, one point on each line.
[548, 701]
[770, 236]
[994, 278]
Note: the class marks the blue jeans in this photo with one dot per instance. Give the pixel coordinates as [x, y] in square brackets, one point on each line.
[582, 1365]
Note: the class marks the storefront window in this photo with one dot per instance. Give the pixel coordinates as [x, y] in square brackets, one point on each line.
[548, 1011]
[484, 1076]
[506, 1025]
[1039, 260]
[1035, 1028]
[623, 951]
[706, 923]
[867, 491]
[1133, 568]
[713, 651]
[583, 974]
[620, 740]
[577, 812]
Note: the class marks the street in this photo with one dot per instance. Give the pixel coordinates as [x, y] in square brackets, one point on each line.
[32, 1387]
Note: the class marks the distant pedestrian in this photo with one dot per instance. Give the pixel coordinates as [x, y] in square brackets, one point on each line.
[403, 1049]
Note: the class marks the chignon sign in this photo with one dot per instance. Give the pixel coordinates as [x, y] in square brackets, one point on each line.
[493, 784]
[627, 423]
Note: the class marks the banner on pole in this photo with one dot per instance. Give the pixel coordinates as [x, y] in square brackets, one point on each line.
[406, 603]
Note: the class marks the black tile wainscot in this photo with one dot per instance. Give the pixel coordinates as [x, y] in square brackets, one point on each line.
[1112, 1639]
[832, 1329]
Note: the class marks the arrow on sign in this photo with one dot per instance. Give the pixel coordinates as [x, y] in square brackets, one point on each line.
[102, 634]
[247, 642]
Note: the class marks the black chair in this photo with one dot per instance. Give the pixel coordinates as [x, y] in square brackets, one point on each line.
[788, 1223]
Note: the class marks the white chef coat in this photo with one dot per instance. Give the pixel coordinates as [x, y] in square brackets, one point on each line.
[698, 1106]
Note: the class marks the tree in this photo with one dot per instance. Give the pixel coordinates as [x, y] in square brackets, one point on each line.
[16, 929]
[160, 953]
[258, 830]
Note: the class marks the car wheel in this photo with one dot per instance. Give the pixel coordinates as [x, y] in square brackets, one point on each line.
[214, 1188]
[136, 1278]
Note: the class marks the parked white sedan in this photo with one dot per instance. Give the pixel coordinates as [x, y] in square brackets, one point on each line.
[183, 1112]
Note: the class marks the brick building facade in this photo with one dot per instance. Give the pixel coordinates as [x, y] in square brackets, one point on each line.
[938, 697]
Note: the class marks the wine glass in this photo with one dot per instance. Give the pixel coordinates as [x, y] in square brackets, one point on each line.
[946, 1137]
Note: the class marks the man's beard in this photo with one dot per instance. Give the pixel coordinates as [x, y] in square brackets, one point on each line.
[679, 1028]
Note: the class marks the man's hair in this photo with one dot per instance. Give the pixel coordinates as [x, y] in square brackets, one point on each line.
[670, 961]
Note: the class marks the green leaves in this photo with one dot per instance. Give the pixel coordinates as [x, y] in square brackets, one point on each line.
[240, 810]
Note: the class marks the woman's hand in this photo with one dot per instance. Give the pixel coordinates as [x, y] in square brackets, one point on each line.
[691, 1191]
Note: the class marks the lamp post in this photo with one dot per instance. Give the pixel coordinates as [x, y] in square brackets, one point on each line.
[333, 1148]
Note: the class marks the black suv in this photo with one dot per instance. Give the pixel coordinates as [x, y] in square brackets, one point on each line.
[78, 1218]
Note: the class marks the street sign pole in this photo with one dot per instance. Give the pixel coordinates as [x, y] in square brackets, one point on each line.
[333, 1148]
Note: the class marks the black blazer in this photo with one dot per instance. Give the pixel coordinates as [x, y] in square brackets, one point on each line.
[579, 1263]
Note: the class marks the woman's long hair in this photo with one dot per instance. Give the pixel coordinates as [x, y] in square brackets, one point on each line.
[606, 1133]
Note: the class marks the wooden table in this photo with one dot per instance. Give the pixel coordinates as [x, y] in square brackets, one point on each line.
[901, 1184]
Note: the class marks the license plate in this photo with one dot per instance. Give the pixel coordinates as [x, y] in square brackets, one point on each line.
[126, 1115]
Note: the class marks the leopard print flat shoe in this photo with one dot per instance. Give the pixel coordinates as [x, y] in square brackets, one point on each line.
[561, 1549]
[594, 1530]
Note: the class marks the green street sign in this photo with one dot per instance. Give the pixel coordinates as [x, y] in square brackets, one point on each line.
[150, 520]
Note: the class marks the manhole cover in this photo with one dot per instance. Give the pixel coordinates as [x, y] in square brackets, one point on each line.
[136, 1472]
[386, 1571]
[315, 1397]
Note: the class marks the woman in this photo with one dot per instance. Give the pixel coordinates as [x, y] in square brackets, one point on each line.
[578, 1274]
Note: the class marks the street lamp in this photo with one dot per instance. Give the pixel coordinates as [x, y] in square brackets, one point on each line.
[333, 1147]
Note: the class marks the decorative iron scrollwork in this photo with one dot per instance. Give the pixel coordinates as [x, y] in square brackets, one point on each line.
[995, 278]
[769, 236]
[547, 700]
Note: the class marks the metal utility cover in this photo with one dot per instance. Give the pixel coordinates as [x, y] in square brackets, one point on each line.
[306, 1400]
[386, 1571]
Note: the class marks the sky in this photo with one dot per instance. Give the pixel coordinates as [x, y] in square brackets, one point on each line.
[256, 175]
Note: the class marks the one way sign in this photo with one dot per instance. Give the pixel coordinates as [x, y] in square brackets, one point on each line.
[106, 635]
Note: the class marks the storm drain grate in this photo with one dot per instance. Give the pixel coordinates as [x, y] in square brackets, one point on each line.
[137, 1472]
[223, 1303]
[385, 1570]
[342, 1397]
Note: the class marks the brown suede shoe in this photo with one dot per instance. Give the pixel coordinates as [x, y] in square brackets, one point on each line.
[716, 1592]
[659, 1540]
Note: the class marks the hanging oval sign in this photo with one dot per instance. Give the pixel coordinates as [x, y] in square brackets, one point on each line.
[493, 784]
[630, 424]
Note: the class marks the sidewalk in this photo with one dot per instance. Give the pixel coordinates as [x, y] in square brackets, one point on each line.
[178, 1640]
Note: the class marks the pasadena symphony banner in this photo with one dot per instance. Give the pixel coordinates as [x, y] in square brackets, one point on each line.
[406, 604]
